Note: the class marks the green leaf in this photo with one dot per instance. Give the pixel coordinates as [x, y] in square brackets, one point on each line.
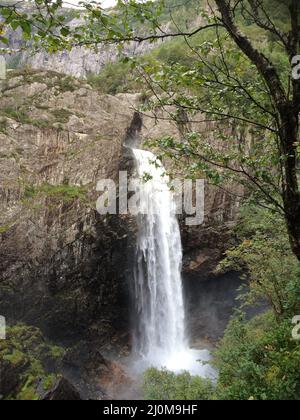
[26, 27]
[4, 40]
[65, 31]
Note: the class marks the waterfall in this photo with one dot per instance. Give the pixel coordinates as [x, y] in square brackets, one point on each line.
[158, 284]
[160, 316]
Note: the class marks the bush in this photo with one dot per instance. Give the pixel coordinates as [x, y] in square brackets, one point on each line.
[165, 385]
[258, 360]
[265, 253]
[120, 77]
[25, 362]
[114, 78]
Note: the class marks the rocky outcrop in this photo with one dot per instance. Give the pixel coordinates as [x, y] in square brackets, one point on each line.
[78, 62]
[61, 390]
[63, 266]
[97, 376]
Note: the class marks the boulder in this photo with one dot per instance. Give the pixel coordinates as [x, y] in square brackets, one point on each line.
[62, 390]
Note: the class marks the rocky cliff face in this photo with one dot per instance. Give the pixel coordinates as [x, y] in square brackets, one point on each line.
[63, 266]
[79, 62]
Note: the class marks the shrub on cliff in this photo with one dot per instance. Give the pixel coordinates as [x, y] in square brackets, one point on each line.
[28, 364]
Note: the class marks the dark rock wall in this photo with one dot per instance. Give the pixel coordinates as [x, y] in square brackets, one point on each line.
[80, 290]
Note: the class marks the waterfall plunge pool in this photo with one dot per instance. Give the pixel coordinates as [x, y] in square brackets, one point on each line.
[194, 361]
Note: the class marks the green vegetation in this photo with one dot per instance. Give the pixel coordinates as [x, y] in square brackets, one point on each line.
[3, 125]
[66, 84]
[181, 54]
[126, 76]
[24, 357]
[21, 115]
[17, 114]
[64, 192]
[259, 360]
[52, 79]
[164, 385]
[114, 78]
[265, 253]
[61, 115]
[5, 228]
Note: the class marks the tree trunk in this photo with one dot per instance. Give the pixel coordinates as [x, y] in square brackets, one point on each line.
[289, 138]
[288, 113]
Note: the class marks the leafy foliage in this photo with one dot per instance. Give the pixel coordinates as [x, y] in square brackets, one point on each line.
[126, 75]
[258, 360]
[165, 385]
[114, 78]
[264, 251]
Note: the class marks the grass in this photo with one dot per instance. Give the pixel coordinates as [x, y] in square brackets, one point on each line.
[61, 115]
[21, 116]
[5, 228]
[67, 84]
[50, 78]
[3, 125]
[62, 192]
[17, 114]
[49, 381]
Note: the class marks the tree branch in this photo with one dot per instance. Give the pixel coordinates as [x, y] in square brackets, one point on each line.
[262, 63]
[152, 37]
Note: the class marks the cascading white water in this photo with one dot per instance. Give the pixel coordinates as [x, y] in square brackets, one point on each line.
[160, 337]
[159, 256]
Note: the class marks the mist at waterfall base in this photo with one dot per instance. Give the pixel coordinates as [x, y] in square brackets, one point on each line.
[160, 339]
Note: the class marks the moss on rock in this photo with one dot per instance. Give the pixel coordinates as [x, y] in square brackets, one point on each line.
[26, 361]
